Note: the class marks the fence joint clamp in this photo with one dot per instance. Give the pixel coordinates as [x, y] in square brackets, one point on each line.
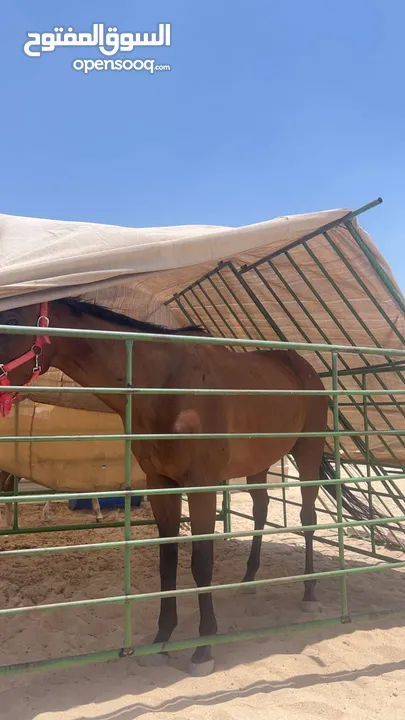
[126, 652]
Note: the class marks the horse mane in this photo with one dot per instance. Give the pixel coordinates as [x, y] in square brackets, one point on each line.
[80, 307]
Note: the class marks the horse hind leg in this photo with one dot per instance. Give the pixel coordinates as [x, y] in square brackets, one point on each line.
[46, 511]
[308, 455]
[260, 500]
[7, 485]
[9, 514]
[97, 510]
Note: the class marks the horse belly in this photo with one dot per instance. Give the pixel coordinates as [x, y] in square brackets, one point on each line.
[249, 456]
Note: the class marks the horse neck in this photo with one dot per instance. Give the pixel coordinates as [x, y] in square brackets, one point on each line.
[93, 362]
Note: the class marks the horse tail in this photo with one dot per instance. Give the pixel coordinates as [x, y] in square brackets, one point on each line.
[356, 508]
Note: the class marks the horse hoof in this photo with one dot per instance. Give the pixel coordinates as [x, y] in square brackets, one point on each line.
[201, 669]
[249, 589]
[310, 606]
[157, 660]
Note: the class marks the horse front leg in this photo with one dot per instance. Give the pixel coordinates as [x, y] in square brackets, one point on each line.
[167, 512]
[202, 508]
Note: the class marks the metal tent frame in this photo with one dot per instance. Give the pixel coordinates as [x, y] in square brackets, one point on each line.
[211, 301]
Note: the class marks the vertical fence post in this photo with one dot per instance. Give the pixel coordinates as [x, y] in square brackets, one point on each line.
[283, 491]
[226, 509]
[127, 508]
[367, 447]
[16, 479]
[343, 586]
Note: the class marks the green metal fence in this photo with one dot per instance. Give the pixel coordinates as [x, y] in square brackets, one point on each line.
[336, 438]
[364, 448]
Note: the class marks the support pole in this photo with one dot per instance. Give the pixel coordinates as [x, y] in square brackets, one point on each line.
[226, 509]
[127, 650]
[341, 539]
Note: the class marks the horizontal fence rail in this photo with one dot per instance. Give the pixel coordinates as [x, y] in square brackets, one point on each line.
[204, 590]
[197, 391]
[199, 436]
[195, 538]
[196, 340]
[44, 497]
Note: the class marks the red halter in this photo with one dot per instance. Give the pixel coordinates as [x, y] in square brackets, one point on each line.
[36, 352]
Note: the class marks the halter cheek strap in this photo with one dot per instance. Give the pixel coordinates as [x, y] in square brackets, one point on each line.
[36, 354]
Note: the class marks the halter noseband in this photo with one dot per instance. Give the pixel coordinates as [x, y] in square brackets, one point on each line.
[36, 353]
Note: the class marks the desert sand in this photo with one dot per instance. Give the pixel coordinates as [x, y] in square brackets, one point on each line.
[347, 671]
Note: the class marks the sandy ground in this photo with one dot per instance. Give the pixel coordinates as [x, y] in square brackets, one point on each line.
[345, 671]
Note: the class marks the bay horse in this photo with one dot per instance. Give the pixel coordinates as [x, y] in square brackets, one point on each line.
[188, 463]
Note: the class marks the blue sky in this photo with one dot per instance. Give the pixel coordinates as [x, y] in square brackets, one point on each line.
[272, 107]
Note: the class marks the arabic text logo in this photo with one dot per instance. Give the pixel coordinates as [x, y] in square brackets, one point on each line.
[109, 43]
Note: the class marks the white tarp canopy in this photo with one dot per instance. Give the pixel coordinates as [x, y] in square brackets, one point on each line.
[48, 259]
[135, 271]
